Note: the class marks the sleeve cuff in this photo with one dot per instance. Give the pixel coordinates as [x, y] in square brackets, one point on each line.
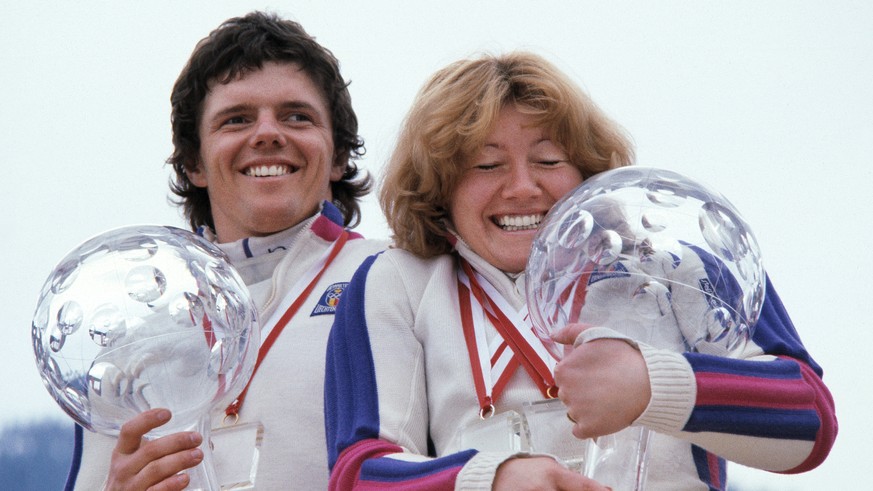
[478, 473]
[674, 390]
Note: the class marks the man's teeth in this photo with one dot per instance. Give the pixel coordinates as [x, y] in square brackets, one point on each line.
[519, 222]
[267, 170]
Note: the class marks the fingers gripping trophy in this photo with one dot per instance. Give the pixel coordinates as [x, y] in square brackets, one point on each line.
[143, 317]
[649, 256]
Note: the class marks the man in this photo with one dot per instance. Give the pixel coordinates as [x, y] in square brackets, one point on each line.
[264, 137]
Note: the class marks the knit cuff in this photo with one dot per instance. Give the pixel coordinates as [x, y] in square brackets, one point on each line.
[478, 473]
[674, 390]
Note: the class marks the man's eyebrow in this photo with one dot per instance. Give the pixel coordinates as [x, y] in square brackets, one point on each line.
[237, 108]
[298, 104]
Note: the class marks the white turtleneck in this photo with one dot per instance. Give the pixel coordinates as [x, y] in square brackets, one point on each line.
[255, 258]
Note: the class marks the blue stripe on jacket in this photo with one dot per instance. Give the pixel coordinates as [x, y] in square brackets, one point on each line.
[353, 413]
[784, 410]
[352, 406]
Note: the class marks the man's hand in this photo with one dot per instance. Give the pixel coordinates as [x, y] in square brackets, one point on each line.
[154, 465]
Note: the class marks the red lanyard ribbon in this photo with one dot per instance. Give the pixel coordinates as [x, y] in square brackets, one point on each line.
[482, 364]
[517, 338]
[267, 343]
[579, 290]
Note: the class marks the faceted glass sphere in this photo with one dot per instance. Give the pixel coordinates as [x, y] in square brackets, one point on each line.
[651, 254]
[143, 317]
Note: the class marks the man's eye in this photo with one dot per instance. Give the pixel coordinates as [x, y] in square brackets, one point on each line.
[299, 118]
[235, 120]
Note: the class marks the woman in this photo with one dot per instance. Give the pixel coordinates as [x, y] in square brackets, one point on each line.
[488, 147]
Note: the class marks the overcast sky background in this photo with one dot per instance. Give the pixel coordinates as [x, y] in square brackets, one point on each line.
[769, 102]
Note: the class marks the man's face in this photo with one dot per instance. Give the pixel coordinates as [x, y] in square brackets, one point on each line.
[266, 151]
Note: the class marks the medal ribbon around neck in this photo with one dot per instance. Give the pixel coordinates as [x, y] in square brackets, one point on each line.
[579, 290]
[281, 317]
[517, 344]
[492, 363]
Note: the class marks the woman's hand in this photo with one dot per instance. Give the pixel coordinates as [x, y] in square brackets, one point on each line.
[155, 465]
[540, 473]
[603, 382]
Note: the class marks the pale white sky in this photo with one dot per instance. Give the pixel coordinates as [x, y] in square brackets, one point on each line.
[769, 102]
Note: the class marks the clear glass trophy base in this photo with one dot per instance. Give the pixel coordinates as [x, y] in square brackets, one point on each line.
[236, 451]
[502, 432]
[202, 477]
[619, 460]
[548, 431]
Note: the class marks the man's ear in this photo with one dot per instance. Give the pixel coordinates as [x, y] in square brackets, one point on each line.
[196, 175]
[337, 170]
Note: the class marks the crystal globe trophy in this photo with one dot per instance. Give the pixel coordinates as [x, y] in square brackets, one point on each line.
[143, 317]
[657, 257]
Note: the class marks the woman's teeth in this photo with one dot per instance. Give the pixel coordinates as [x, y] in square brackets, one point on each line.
[519, 222]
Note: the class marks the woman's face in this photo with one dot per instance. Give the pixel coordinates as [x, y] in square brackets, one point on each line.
[507, 188]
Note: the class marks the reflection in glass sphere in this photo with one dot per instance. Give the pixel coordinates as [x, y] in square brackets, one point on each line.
[143, 317]
[649, 253]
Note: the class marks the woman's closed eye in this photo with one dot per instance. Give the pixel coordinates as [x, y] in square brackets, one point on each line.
[486, 166]
[551, 162]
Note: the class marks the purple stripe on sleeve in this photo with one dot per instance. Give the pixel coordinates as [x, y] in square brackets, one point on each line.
[351, 406]
[711, 469]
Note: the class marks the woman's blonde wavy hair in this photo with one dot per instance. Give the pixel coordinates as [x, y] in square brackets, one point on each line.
[451, 117]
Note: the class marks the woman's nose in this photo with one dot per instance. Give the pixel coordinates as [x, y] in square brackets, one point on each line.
[521, 182]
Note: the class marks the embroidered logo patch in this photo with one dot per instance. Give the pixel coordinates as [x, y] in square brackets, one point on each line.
[329, 300]
[708, 290]
[618, 270]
